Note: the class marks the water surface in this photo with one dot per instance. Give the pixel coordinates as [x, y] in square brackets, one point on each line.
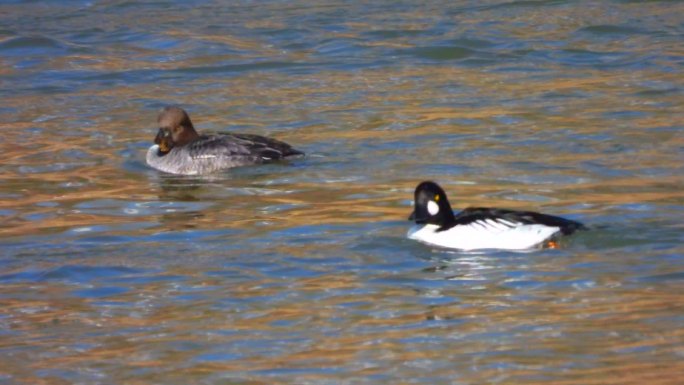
[300, 272]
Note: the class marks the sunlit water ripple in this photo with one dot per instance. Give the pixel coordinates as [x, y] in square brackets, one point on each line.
[300, 272]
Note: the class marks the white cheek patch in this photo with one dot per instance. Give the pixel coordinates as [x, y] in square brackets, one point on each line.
[432, 207]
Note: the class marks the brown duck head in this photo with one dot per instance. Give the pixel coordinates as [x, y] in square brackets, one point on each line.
[175, 129]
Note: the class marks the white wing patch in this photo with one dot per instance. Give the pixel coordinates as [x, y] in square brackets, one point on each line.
[495, 225]
[204, 156]
[508, 223]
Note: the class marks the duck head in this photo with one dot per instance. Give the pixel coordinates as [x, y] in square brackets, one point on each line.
[175, 129]
[430, 205]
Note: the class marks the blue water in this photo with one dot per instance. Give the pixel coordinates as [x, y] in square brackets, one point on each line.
[300, 272]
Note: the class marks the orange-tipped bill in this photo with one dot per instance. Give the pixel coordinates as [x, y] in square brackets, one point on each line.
[164, 141]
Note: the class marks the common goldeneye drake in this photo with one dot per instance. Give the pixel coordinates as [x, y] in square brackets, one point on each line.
[481, 228]
[179, 149]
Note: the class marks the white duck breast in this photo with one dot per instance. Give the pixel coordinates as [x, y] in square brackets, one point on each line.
[487, 234]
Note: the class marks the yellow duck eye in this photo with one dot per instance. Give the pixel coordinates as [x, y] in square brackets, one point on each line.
[437, 198]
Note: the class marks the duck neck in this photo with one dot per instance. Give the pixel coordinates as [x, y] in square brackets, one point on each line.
[187, 135]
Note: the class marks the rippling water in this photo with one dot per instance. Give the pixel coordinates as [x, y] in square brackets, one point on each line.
[300, 272]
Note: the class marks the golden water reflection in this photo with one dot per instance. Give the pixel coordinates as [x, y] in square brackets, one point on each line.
[111, 272]
[568, 332]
